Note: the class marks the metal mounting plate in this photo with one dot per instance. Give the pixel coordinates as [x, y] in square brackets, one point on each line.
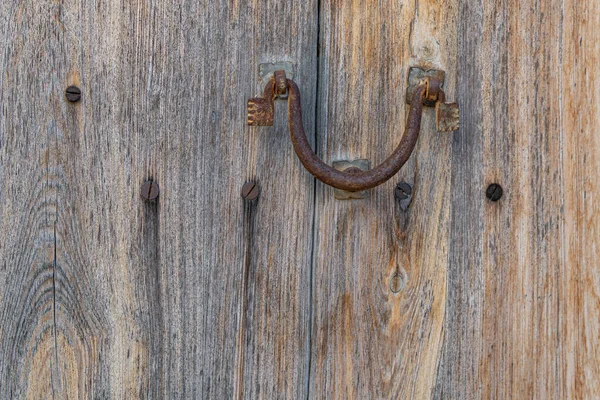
[343, 165]
[447, 117]
[416, 75]
[267, 70]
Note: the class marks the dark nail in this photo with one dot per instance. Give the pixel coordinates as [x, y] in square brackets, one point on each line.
[494, 192]
[403, 193]
[404, 190]
[250, 191]
[73, 94]
[150, 190]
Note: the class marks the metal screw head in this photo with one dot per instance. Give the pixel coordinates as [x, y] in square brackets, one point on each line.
[403, 194]
[403, 191]
[250, 191]
[73, 94]
[494, 192]
[150, 190]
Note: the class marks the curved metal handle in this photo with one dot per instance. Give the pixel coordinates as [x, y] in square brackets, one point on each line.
[260, 113]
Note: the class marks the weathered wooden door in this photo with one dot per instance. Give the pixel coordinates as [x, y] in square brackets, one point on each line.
[201, 294]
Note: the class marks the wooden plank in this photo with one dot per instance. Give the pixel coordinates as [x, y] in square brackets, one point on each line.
[369, 342]
[273, 340]
[522, 308]
[197, 295]
[201, 295]
[475, 326]
[579, 326]
[28, 362]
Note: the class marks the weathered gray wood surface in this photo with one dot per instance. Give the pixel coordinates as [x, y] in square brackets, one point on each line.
[201, 295]
[369, 341]
[198, 295]
[27, 215]
[523, 307]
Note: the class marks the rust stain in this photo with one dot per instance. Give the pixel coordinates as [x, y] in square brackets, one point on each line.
[73, 77]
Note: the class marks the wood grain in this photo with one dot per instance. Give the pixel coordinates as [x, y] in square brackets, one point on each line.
[522, 306]
[28, 360]
[369, 342]
[579, 294]
[297, 295]
[198, 295]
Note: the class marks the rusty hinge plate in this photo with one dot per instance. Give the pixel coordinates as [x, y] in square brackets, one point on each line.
[447, 117]
[416, 76]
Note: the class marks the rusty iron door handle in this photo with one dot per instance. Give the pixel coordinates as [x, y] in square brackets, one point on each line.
[428, 91]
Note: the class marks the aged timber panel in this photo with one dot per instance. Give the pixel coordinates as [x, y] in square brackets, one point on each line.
[579, 277]
[520, 300]
[28, 362]
[379, 280]
[197, 295]
[522, 311]
[203, 295]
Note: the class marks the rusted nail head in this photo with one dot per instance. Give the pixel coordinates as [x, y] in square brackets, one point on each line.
[250, 191]
[400, 195]
[73, 94]
[405, 187]
[403, 191]
[494, 192]
[150, 190]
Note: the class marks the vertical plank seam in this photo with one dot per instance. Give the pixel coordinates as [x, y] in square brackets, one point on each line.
[314, 209]
[55, 376]
[53, 369]
[54, 372]
[562, 208]
[241, 358]
[56, 368]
